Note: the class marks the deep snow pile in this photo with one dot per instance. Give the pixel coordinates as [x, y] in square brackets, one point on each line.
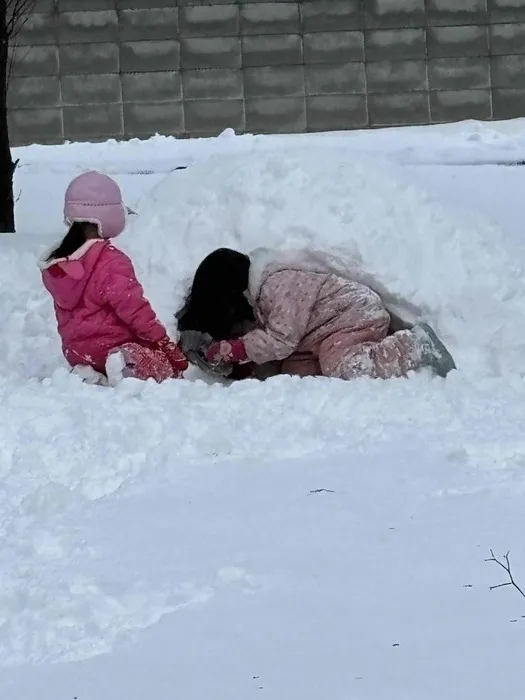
[363, 211]
[29, 346]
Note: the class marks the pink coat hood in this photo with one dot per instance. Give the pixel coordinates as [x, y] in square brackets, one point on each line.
[71, 276]
[99, 304]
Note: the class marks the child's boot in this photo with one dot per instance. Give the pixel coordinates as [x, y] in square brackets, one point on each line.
[115, 365]
[433, 352]
[89, 375]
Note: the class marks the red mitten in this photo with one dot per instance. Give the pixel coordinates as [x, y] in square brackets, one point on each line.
[229, 351]
[174, 354]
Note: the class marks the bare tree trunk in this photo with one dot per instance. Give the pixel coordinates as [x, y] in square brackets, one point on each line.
[7, 168]
[13, 15]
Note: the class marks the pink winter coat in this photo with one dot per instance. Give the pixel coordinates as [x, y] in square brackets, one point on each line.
[99, 304]
[298, 306]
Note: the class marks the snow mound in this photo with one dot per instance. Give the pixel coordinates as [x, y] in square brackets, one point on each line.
[362, 210]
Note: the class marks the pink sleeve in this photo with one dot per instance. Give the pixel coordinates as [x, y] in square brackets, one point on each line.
[122, 291]
[285, 305]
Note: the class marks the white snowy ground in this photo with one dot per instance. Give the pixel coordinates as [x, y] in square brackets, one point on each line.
[293, 539]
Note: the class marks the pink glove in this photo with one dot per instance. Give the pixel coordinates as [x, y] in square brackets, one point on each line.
[229, 351]
[174, 354]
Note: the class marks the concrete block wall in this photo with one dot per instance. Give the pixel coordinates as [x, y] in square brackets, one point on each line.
[94, 69]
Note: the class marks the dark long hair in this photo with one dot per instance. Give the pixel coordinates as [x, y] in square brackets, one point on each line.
[74, 238]
[216, 303]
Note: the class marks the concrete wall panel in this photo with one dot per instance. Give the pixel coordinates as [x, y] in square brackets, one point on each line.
[270, 18]
[87, 27]
[213, 83]
[272, 50]
[163, 86]
[207, 117]
[88, 122]
[90, 89]
[331, 15]
[336, 112]
[81, 5]
[506, 10]
[458, 73]
[392, 44]
[326, 79]
[395, 13]
[274, 81]
[508, 71]
[34, 92]
[42, 125]
[96, 59]
[450, 12]
[215, 20]
[39, 29]
[445, 42]
[509, 103]
[34, 61]
[149, 56]
[196, 3]
[210, 52]
[276, 115]
[144, 119]
[334, 47]
[396, 76]
[147, 25]
[507, 39]
[456, 105]
[398, 109]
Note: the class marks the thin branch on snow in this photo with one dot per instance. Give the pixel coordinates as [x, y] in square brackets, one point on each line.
[505, 565]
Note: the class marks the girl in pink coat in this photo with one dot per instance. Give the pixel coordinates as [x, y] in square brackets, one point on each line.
[108, 329]
[303, 315]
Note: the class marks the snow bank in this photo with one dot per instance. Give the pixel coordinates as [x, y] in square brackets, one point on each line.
[362, 210]
[469, 141]
[29, 343]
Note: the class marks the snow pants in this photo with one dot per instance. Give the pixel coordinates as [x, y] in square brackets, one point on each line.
[369, 352]
[361, 347]
[142, 362]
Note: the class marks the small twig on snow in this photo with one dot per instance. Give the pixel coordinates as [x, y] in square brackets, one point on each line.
[506, 567]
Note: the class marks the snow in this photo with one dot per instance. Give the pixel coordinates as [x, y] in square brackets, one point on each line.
[297, 538]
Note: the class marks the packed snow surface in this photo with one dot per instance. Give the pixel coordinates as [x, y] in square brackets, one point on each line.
[297, 538]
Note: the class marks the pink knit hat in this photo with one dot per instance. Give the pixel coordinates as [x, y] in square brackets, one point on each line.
[96, 198]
